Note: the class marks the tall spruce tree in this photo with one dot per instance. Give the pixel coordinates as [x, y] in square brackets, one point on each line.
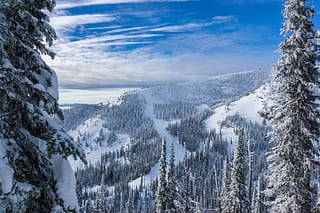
[238, 194]
[186, 185]
[224, 196]
[33, 146]
[172, 191]
[101, 199]
[258, 206]
[250, 175]
[295, 115]
[161, 200]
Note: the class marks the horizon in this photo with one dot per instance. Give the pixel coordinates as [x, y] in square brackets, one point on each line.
[110, 94]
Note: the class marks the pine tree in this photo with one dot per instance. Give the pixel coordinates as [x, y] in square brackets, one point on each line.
[31, 137]
[258, 205]
[186, 185]
[250, 176]
[121, 203]
[225, 187]
[129, 204]
[161, 202]
[295, 115]
[101, 200]
[172, 192]
[238, 195]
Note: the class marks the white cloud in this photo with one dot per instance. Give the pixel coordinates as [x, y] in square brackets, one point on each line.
[223, 19]
[192, 26]
[66, 23]
[105, 38]
[95, 96]
[81, 3]
[79, 66]
[180, 28]
[85, 62]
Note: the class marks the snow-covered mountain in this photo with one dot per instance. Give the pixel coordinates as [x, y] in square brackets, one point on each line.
[247, 107]
[89, 124]
[123, 139]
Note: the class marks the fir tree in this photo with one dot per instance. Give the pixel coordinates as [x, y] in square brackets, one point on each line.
[225, 187]
[186, 185]
[295, 115]
[238, 195]
[101, 200]
[161, 202]
[129, 204]
[172, 192]
[250, 176]
[31, 135]
[258, 201]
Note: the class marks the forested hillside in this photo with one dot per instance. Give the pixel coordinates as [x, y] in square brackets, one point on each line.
[122, 141]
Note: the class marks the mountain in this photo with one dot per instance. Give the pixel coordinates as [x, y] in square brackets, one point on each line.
[122, 140]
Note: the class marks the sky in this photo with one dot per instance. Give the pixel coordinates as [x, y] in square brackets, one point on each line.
[107, 44]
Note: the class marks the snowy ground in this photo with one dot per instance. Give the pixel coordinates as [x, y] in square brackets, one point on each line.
[160, 126]
[91, 129]
[247, 107]
[6, 177]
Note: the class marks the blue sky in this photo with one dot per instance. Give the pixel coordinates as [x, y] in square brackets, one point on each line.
[123, 43]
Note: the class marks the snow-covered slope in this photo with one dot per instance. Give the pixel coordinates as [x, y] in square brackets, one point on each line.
[211, 90]
[247, 107]
[143, 116]
[95, 136]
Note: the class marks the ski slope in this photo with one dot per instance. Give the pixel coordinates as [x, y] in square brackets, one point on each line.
[247, 107]
[160, 126]
[90, 129]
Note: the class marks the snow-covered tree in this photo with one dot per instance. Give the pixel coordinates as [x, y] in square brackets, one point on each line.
[186, 185]
[161, 202]
[172, 191]
[258, 206]
[294, 115]
[101, 199]
[250, 175]
[129, 204]
[225, 187]
[33, 146]
[238, 193]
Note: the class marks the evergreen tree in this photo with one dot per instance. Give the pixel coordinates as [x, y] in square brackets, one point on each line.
[32, 141]
[225, 187]
[129, 205]
[161, 202]
[172, 192]
[258, 205]
[101, 200]
[88, 206]
[238, 195]
[295, 115]
[186, 185]
[250, 176]
[121, 203]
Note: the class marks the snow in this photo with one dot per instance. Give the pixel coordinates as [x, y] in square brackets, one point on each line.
[194, 92]
[247, 107]
[160, 126]
[53, 90]
[202, 107]
[66, 181]
[6, 177]
[39, 87]
[91, 128]
[65, 107]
